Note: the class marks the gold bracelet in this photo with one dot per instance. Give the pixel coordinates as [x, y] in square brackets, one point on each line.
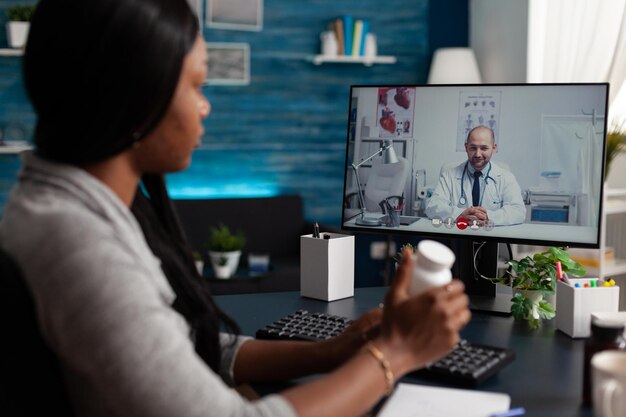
[384, 363]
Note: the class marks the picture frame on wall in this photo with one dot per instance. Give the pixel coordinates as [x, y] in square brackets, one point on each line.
[228, 63]
[234, 14]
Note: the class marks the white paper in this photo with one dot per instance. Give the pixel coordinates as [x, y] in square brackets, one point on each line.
[411, 400]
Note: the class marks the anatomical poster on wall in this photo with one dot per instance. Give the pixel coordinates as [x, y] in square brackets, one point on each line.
[395, 112]
[477, 108]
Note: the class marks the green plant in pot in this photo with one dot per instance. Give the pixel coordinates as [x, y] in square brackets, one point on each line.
[198, 260]
[615, 141]
[224, 247]
[18, 25]
[533, 278]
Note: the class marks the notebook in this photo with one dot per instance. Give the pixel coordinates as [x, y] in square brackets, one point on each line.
[412, 400]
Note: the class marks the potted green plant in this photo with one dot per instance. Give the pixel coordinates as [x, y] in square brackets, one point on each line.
[19, 16]
[224, 249]
[615, 140]
[532, 279]
[198, 260]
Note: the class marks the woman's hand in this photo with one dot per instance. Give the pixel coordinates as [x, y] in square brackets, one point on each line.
[421, 329]
[344, 346]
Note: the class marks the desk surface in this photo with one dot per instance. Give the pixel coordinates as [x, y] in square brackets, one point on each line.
[545, 378]
[530, 231]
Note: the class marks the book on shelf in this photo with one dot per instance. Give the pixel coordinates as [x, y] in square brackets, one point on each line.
[363, 36]
[338, 29]
[356, 37]
[351, 34]
[348, 31]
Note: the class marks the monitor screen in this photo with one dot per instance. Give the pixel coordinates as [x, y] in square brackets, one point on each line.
[515, 163]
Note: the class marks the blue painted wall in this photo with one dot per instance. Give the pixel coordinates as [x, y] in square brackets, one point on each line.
[285, 132]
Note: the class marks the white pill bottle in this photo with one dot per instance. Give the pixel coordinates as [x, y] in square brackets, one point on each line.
[431, 266]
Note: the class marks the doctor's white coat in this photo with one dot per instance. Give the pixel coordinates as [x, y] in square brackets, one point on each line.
[500, 195]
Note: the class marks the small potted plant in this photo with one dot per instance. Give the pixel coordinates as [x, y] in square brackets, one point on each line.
[615, 141]
[224, 249]
[198, 260]
[532, 279]
[18, 25]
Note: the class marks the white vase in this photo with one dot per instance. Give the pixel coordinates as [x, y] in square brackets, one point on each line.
[199, 266]
[329, 43]
[224, 269]
[534, 296]
[17, 33]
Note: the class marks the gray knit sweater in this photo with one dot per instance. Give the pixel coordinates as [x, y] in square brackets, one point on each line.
[104, 305]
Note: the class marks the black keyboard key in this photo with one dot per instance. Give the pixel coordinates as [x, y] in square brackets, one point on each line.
[468, 364]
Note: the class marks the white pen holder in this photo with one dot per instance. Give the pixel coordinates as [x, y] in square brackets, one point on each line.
[327, 266]
[575, 305]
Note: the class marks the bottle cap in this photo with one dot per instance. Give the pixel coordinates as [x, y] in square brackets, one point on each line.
[434, 256]
[606, 329]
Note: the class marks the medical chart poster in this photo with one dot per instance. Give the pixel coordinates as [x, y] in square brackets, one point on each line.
[395, 112]
[477, 109]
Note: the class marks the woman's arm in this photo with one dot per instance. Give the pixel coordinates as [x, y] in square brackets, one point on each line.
[413, 332]
[272, 360]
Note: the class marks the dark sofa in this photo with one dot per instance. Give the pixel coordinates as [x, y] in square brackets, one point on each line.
[272, 225]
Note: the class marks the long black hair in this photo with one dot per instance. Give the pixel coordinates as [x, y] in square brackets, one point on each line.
[100, 75]
[154, 210]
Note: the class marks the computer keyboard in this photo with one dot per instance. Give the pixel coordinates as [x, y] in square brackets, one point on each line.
[468, 364]
[303, 325]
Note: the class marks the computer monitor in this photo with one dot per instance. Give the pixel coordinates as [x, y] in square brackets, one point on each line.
[538, 151]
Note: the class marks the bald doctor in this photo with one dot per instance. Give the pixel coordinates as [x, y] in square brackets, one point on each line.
[478, 189]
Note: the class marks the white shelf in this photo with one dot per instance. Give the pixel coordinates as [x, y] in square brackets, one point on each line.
[615, 200]
[615, 192]
[11, 52]
[346, 59]
[14, 149]
[615, 206]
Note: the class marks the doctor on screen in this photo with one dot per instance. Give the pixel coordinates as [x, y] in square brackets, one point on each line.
[478, 189]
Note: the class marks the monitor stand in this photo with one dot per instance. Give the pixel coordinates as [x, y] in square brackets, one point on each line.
[482, 293]
[499, 304]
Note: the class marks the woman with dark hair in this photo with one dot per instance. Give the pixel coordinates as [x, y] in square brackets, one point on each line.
[118, 299]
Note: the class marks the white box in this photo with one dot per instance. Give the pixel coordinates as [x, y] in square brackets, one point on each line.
[327, 267]
[575, 305]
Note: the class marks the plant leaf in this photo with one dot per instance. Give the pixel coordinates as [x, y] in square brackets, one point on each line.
[546, 310]
[534, 323]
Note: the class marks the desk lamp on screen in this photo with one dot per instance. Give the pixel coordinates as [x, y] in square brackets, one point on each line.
[389, 157]
[488, 164]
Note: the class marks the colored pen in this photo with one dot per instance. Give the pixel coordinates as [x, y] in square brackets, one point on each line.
[559, 270]
[513, 412]
[566, 279]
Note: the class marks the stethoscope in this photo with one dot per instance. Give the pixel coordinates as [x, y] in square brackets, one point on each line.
[462, 199]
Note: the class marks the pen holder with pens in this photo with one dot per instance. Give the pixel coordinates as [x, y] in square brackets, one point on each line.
[393, 206]
[574, 305]
[327, 266]
[394, 218]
